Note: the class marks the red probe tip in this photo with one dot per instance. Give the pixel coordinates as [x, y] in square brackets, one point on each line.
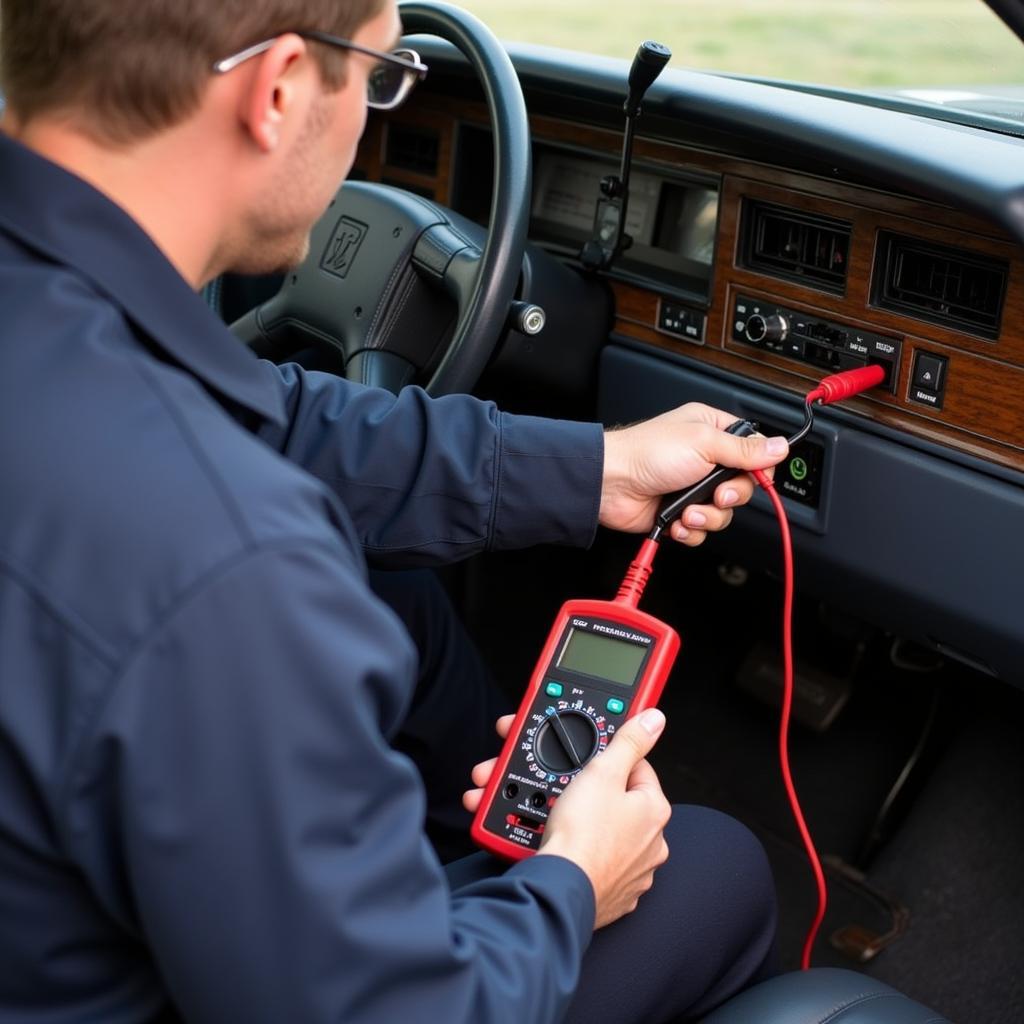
[847, 384]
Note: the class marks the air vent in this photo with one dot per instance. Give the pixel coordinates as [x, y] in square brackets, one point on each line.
[796, 246]
[955, 288]
[412, 149]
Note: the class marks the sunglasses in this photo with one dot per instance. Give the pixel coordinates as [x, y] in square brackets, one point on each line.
[387, 85]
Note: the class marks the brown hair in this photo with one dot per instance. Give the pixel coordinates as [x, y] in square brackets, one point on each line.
[128, 68]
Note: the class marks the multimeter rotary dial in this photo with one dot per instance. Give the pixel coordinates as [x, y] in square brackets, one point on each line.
[563, 739]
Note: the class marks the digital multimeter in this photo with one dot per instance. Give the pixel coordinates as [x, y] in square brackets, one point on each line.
[602, 663]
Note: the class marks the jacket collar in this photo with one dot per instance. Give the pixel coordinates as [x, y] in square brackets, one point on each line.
[66, 220]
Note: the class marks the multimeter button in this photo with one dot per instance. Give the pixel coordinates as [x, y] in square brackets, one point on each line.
[615, 706]
[553, 689]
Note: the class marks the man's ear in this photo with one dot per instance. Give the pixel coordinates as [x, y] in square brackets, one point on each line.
[274, 91]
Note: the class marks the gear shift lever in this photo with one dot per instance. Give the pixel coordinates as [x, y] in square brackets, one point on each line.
[609, 238]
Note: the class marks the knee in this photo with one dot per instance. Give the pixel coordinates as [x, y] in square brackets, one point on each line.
[727, 864]
[414, 595]
[417, 597]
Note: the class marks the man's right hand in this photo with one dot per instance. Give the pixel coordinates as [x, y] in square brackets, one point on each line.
[610, 820]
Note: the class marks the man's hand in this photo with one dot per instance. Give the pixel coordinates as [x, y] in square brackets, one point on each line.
[648, 460]
[610, 820]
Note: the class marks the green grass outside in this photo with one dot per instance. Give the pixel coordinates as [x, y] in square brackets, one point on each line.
[835, 42]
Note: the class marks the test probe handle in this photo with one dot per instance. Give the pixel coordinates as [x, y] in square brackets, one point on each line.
[703, 491]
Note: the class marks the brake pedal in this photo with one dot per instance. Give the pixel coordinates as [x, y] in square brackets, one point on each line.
[818, 695]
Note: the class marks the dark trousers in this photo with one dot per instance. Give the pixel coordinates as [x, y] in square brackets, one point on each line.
[704, 932]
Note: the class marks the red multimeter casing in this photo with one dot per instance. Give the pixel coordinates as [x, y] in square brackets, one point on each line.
[603, 662]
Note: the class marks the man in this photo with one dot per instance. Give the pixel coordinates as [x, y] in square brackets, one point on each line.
[202, 815]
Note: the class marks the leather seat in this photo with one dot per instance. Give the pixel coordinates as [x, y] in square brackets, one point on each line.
[823, 995]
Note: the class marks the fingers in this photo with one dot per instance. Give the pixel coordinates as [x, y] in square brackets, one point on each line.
[697, 522]
[754, 452]
[632, 743]
[735, 492]
[644, 780]
[700, 520]
[481, 772]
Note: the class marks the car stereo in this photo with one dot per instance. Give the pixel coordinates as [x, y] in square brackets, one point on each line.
[828, 344]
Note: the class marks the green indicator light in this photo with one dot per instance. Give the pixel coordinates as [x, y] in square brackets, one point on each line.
[553, 689]
[797, 468]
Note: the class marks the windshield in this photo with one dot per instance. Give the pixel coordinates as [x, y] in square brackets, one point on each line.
[953, 54]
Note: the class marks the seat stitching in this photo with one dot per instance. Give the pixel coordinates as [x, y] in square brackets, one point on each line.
[858, 1001]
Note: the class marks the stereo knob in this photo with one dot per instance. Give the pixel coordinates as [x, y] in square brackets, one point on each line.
[767, 328]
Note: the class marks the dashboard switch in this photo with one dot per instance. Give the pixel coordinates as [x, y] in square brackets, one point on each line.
[928, 382]
[682, 322]
[928, 371]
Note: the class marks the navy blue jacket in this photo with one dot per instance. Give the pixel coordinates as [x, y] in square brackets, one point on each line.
[200, 812]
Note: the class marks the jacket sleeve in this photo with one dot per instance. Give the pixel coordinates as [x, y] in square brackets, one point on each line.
[428, 481]
[239, 807]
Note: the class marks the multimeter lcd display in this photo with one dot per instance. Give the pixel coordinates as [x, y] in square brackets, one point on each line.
[616, 661]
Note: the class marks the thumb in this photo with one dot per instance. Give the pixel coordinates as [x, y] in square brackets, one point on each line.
[632, 743]
[754, 452]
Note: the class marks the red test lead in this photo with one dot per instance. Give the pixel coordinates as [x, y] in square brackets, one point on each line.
[831, 389]
[787, 705]
[834, 389]
[605, 661]
[847, 384]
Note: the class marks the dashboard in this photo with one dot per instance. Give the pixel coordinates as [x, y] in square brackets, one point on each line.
[778, 236]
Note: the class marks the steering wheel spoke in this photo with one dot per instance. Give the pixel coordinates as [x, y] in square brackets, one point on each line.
[448, 260]
[380, 369]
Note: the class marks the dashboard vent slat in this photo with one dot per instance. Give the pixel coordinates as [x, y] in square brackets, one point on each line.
[412, 149]
[796, 246]
[944, 285]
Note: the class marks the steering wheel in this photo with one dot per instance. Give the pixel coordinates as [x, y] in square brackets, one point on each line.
[384, 265]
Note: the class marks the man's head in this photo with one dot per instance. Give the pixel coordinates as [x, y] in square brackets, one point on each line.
[128, 95]
[125, 70]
